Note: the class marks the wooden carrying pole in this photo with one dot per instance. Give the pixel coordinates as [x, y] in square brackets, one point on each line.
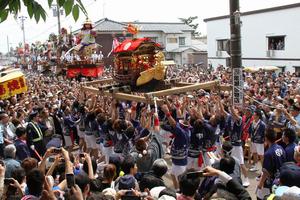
[148, 96]
[117, 95]
[176, 90]
[120, 96]
[104, 81]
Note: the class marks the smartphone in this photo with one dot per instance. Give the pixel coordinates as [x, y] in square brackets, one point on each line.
[8, 181]
[70, 180]
[194, 174]
[81, 155]
[129, 193]
[56, 150]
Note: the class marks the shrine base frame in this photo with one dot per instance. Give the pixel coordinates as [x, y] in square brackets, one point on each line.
[180, 87]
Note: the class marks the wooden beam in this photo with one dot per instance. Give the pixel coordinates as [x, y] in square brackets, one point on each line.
[144, 99]
[180, 84]
[126, 97]
[103, 81]
[122, 96]
[176, 90]
[226, 87]
[90, 89]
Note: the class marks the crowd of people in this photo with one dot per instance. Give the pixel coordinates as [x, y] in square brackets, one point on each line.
[58, 141]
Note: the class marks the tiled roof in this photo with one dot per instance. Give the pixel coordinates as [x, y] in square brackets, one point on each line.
[107, 25]
[164, 27]
[182, 49]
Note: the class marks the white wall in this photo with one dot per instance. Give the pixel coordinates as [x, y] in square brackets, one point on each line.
[162, 38]
[171, 46]
[255, 29]
[157, 34]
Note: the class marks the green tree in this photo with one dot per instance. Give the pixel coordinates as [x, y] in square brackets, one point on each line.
[34, 9]
[190, 21]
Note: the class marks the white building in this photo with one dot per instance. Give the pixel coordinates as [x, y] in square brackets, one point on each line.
[270, 37]
[176, 38]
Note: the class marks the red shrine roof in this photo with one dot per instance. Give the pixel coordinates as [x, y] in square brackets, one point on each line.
[133, 44]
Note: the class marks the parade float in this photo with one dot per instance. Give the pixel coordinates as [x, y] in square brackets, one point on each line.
[12, 82]
[138, 61]
[84, 59]
[139, 73]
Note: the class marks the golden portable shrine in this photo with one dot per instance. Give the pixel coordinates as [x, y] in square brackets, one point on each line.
[138, 61]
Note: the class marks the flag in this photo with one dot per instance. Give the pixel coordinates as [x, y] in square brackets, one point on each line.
[115, 43]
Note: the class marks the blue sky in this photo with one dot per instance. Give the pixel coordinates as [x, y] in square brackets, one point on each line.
[129, 10]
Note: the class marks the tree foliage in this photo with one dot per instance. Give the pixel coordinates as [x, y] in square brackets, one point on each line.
[190, 21]
[34, 9]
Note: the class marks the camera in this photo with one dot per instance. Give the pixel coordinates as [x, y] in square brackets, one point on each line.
[56, 150]
[8, 181]
[81, 155]
[70, 180]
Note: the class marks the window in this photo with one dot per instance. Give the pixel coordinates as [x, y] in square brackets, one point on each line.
[221, 44]
[297, 71]
[281, 68]
[154, 39]
[276, 43]
[172, 40]
[122, 37]
[182, 41]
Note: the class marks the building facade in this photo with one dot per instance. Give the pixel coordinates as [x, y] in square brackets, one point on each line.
[270, 37]
[176, 38]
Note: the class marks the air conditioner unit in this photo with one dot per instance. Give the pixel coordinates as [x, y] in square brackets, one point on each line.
[270, 53]
[219, 53]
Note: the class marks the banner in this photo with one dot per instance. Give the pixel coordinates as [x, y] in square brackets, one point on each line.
[11, 87]
[88, 72]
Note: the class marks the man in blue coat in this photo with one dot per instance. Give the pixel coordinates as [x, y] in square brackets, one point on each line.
[274, 158]
[257, 132]
[180, 145]
[21, 144]
[289, 138]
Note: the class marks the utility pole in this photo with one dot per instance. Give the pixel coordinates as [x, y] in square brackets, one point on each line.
[7, 40]
[236, 53]
[56, 13]
[58, 16]
[23, 18]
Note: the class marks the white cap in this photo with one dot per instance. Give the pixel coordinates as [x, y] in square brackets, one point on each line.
[49, 95]
[166, 197]
[156, 190]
